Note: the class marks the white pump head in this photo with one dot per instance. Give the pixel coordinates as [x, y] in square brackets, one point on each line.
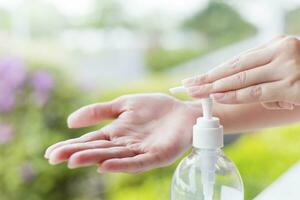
[207, 132]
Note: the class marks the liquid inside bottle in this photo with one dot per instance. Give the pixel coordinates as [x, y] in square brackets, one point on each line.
[207, 175]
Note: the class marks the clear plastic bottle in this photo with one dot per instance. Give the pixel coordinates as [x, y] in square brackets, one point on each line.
[222, 181]
[207, 174]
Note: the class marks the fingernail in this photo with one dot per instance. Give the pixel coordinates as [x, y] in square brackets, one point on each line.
[72, 165]
[69, 121]
[286, 105]
[194, 91]
[47, 153]
[100, 171]
[188, 81]
[199, 91]
[218, 96]
[54, 162]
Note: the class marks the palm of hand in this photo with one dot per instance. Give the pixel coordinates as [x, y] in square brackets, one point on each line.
[149, 131]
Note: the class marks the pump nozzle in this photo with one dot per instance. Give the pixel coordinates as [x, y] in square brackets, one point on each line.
[207, 107]
[206, 102]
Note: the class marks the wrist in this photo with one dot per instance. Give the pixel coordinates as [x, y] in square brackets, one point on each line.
[194, 110]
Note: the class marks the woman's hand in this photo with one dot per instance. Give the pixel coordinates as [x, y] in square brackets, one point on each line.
[269, 74]
[148, 131]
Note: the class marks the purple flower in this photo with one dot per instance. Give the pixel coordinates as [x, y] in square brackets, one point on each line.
[42, 83]
[7, 100]
[12, 77]
[12, 72]
[28, 174]
[6, 133]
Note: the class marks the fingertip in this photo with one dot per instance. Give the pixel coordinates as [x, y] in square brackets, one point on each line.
[99, 170]
[71, 121]
[197, 91]
[46, 155]
[187, 82]
[54, 161]
[111, 166]
[218, 96]
[72, 161]
[225, 98]
[48, 151]
[196, 80]
[71, 166]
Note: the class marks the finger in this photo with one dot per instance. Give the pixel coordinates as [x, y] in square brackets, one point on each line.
[96, 135]
[237, 81]
[64, 152]
[244, 79]
[93, 114]
[95, 156]
[139, 163]
[278, 105]
[259, 93]
[270, 42]
[241, 63]
[222, 69]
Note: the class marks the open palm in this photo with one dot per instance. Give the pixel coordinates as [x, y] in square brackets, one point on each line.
[148, 131]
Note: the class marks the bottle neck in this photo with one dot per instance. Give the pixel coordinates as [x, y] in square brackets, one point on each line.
[200, 150]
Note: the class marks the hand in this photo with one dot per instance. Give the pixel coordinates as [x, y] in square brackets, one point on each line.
[269, 74]
[148, 131]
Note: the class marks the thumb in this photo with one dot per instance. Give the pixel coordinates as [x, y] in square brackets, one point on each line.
[94, 113]
[278, 105]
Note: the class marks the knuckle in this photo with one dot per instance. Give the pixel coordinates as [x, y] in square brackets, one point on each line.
[122, 99]
[293, 80]
[293, 64]
[289, 83]
[281, 36]
[256, 92]
[231, 96]
[242, 77]
[291, 43]
[202, 78]
[235, 63]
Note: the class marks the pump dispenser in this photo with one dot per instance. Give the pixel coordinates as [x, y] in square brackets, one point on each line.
[206, 174]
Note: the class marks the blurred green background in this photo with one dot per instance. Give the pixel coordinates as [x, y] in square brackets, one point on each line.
[56, 56]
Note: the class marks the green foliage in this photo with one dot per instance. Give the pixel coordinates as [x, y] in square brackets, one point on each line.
[159, 59]
[24, 173]
[262, 157]
[220, 24]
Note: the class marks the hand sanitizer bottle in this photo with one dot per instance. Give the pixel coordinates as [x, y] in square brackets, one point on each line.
[206, 174]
